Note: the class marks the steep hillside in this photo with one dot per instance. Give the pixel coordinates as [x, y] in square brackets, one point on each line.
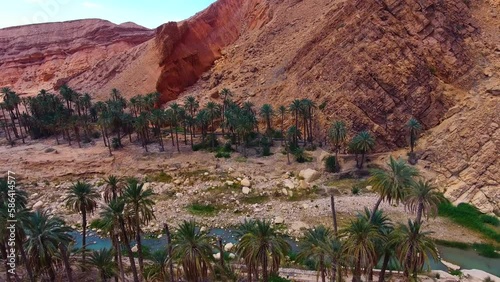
[46, 56]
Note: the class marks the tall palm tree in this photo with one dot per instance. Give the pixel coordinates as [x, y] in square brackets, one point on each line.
[282, 110]
[359, 244]
[295, 108]
[158, 117]
[113, 188]
[226, 93]
[392, 184]
[213, 113]
[44, 234]
[384, 227]
[192, 249]
[362, 144]
[114, 214]
[191, 105]
[140, 207]
[176, 112]
[314, 246]
[423, 198]
[413, 248]
[159, 267]
[413, 127]
[338, 135]
[82, 198]
[264, 245]
[266, 112]
[102, 260]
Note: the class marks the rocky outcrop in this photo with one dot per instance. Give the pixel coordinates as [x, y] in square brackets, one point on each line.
[189, 48]
[39, 56]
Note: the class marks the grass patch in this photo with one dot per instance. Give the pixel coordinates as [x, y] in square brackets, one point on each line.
[160, 177]
[304, 194]
[257, 199]
[202, 209]
[468, 216]
[486, 250]
[241, 159]
[453, 244]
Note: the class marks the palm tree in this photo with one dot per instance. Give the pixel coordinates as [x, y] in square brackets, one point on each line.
[295, 109]
[392, 184]
[113, 214]
[113, 188]
[192, 249]
[158, 117]
[266, 112]
[158, 270]
[384, 227]
[337, 134]
[282, 110]
[359, 244]
[413, 247]
[313, 247]
[225, 94]
[213, 112]
[44, 234]
[140, 207]
[362, 144]
[191, 105]
[261, 244]
[82, 198]
[413, 127]
[102, 260]
[176, 111]
[423, 198]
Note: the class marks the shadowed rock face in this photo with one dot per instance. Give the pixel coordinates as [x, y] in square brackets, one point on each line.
[189, 48]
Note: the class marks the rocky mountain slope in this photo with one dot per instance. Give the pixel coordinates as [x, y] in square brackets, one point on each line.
[375, 63]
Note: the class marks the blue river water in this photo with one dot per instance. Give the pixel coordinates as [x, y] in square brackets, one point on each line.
[467, 259]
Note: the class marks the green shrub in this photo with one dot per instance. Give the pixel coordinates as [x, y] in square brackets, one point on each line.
[266, 151]
[225, 155]
[456, 272]
[470, 217]
[453, 244]
[95, 134]
[277, 278]
[115, 143]
[486, 250]
[489, 219]
[301, 156]
[331, 164]
[202, 209]
[355, 190]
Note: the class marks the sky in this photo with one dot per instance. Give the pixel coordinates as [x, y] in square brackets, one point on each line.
[148, 13]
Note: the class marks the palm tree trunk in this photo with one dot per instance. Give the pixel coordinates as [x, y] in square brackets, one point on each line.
[29, 270]
[20, 124]
[172, 134]
[420, 210]
[138, 241]
[265, 276]
[169, 250]
[129, 250]
[119, 255]
[4, 255]
[221, 250]
[114, 244]
[375, 208]
[77, 136]
[357, 271]
[334, 214]
[177, 139]
[381, 275]
[67, 266]
[322, 269]
[84, 234]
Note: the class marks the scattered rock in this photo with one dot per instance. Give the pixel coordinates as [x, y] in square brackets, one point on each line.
[303, 184]
[298, 225]
[284, 192]
[246, 182]
[229, 182]
[309, 175]
[38, 205]
[246, 190]
[217, 256]
[278, 220]
[228, 247]
[288, 184]
[135, 249]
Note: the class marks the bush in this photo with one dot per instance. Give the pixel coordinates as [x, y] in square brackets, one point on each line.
[115, 143]
[206, 144]
[266, 151]
[331, 164]
[355, 190]
[456, 272]
[301, 156]
[470, 217]
[489, 219]
[202, 209]
[486, 250]
[95, 134]
[277, 278]
[225, 155]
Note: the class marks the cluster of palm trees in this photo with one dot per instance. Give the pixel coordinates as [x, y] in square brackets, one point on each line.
[44, 243]
[77, 118]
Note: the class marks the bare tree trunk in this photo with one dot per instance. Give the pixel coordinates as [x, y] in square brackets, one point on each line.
[334, 214]
[67, 266]
[221, 249]
[169, 246]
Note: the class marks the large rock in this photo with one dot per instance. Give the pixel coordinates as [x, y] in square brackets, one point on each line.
[246, 182]
[228, 247]
[309, 175]
[288, 184]
[246, 190]
[38, 205]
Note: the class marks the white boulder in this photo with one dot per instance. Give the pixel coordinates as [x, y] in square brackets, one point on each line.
[246, 182]
[246, 190]
[309, 175]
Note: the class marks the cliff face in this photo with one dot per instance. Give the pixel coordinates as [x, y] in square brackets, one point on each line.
[46, 56]
[374, 63]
